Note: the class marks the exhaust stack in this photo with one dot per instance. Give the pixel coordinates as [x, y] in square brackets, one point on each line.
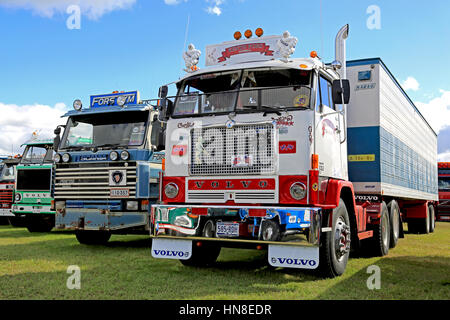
[340, 50]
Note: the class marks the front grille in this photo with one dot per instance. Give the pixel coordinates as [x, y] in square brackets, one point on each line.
[88, 181]
[243, 149]
[6, 195]
[238, 196]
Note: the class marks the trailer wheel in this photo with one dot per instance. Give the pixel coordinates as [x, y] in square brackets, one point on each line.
[202, 256]
[432, 218]
[270, 230]
[335, 245]
[92, 237]
[394, 221]
[381, 234]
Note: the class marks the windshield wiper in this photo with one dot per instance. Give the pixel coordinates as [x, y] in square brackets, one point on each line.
[266, 109]
[109, 145]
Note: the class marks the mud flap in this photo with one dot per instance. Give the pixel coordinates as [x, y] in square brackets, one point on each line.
[293, 256]
[171, 249]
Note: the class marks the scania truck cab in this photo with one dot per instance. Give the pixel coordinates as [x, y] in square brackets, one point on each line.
[107, 167]
[34, 189]
[256, 157]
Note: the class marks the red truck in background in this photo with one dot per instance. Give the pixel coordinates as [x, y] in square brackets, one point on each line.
[443, 209]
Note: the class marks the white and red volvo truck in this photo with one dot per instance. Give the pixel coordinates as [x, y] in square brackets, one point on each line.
[301, 158]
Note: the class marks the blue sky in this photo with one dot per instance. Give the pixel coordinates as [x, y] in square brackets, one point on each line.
[136, 44]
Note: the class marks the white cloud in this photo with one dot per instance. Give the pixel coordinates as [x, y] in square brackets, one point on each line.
[172, 2]
[17, 123]
[444, 156]
[215, 8]
[93, 9]
[437, 111]
[410, 84]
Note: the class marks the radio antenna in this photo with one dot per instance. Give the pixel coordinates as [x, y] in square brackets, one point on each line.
[186, 32]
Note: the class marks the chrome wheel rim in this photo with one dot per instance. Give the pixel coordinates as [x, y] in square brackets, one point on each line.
[341, 239]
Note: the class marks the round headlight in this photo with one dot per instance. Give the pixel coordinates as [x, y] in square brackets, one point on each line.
[18, 197]
[298, 190]
[77, 105]
[121, 100]
[124, 155]
[171, 190]
[57, 158]
[114, 155]
[66, 157]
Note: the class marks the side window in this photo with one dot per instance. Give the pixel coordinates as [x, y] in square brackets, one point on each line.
[324, 93]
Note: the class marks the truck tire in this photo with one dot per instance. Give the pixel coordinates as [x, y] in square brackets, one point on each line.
[92, 237]
[379, 244]
[335, 245]
[17, 222]
[202, 256]
[432, 218]
[394, 222]
[4, 221]
[209, 230]
[270, 230]
[41, 224]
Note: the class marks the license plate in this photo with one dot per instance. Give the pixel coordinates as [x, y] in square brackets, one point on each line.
[227, 229]
[120, 193]
[36, 209]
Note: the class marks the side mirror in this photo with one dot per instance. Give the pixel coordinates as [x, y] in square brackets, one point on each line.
[163, 91]
[339, 92]
[57, 139]
[158, 135]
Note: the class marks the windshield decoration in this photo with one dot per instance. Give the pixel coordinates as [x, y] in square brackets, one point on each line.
[191, 57]
[115, 99]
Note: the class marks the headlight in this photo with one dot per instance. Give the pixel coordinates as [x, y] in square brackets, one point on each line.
[77, 105]
[132, 205]
[57, 158]
[66, 157]
[121, 100]
[18, 197]
[171, 190]
[124, 155]
[59, 205]
[298, 190]
[114, 155]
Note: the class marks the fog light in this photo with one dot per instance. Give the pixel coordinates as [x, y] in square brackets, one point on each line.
[298, 190]
[132, 205]
[171, 190]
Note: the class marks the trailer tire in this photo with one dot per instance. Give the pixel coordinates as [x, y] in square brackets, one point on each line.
[332, 260]
[202, 256]
[432, 218]
[381, 234]
[394, 222]
[92, 237]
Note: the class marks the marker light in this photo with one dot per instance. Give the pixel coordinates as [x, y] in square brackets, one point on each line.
[314, 161]
[57, 158]
[298, 190]
[303, 66]
[113, 155]
[124, 155]
[248, 33]
[237, 35]
[313, 54]
[77, 104]
[66, 157]
[259, 32]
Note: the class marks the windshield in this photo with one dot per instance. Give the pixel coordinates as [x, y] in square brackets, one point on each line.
[444, 184]
[7, 172]
[37, 154]
[126, 129]
[243, 91]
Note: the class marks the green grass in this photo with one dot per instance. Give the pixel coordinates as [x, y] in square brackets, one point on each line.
[34, 266]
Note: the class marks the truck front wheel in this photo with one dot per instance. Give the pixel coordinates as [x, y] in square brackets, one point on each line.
[335, 245]
[92, 237]
[202, 256]
[41, 224]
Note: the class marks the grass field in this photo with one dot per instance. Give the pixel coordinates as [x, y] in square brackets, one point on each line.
[34, 266]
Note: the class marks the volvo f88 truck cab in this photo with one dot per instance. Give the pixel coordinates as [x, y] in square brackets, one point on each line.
[34, 188]
[107, 167]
